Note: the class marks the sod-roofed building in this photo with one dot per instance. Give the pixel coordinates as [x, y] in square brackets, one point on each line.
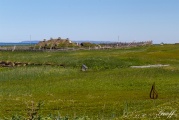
[56, 43]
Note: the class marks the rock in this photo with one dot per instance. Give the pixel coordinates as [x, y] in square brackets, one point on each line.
[11, 64]
[3, 62]
[84, 67]
[18, 63]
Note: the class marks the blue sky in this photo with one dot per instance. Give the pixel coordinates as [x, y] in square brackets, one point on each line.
[138, 20]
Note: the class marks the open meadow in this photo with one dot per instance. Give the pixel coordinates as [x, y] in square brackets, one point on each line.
[55, 87]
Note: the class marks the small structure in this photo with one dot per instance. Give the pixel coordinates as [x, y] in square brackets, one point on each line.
[84, 67]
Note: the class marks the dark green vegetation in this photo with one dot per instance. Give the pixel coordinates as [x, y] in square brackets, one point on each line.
[110, 89]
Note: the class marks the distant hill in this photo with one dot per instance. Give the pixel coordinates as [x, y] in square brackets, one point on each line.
[92, 41]
[19, 43]
[34, 42]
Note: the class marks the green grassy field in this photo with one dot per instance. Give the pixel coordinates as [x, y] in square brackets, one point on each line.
[110, 89]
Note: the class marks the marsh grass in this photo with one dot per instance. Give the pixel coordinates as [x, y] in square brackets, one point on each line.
[110, 89]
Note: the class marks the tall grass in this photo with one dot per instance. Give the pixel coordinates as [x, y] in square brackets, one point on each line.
[110, 89]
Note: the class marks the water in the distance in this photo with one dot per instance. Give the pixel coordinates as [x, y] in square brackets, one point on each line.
[19, 43]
